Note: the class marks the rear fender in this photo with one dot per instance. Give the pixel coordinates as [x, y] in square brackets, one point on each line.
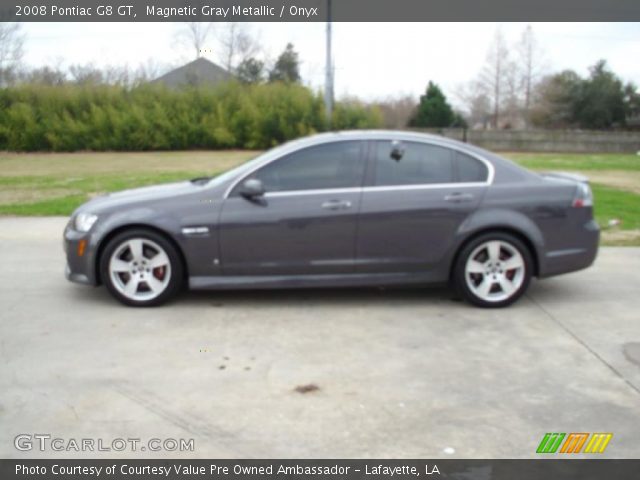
[506, 220]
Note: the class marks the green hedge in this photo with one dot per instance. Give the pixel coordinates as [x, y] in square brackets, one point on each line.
[72, 117]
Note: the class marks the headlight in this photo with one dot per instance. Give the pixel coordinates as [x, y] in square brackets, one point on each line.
[84, 221]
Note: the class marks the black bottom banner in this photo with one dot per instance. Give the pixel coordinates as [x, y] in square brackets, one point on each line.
[542, 469]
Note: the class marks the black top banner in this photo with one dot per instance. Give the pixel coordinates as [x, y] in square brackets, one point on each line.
[542, 469]
[317, 10]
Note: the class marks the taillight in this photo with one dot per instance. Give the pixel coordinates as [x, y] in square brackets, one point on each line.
[584, 197]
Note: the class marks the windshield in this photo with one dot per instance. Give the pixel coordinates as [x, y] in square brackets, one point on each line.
[223, 177]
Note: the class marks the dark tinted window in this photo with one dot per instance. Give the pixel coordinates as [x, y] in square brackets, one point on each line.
[419, 164]
[335, 165]
[471, 169]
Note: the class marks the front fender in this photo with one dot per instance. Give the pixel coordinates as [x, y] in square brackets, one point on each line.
[143, 217]
[139, 216]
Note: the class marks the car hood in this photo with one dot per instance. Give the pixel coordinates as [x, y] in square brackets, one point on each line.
[154, 193]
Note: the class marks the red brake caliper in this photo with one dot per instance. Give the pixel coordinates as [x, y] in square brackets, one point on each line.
[159, 273]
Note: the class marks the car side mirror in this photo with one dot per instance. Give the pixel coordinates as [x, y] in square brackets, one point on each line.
[252, 189]
[397, 150]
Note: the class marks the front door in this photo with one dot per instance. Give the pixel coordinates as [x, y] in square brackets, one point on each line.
[306, 221]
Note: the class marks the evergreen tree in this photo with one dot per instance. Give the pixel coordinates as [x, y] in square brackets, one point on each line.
[602, 99]
[250, 71]
[286, 68]
[433, 111]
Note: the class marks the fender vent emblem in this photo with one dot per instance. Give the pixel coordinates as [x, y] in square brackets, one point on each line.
[195, 230]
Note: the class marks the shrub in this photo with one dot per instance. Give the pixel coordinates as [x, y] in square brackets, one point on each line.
[152, 117]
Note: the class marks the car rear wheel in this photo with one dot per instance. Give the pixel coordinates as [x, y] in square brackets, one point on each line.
[141, 268]
[493, 270]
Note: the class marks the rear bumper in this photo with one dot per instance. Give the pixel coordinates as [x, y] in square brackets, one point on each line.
[578, 256]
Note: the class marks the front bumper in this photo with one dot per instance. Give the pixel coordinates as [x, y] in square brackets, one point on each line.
[76, 277]
[79, 268]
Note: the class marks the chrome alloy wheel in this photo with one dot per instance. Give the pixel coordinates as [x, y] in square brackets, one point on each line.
[140, 269]
[495, 271]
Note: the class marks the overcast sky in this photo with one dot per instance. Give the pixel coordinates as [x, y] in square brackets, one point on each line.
[372, 60]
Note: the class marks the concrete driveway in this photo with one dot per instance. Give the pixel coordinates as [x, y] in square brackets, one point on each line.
[399, 373]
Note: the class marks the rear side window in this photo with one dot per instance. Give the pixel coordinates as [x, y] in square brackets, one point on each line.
[471, 169]
[416, 164]
[333, 165]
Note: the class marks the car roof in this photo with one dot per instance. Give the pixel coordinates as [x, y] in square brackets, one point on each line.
[505, 170]
[380, 134]
[405, 135]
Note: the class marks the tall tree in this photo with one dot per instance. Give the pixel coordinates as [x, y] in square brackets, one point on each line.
[478, 104]
[11, 51]
[530, 64]
[480, 110]
[194, 35]
[599, 101]
[632, 102]
[555, 100]
[287, 67]
[492, 76]
[236, 44]
[433, 110]
[511, 102]
[602, 99]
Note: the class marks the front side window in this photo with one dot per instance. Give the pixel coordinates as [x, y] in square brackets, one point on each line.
[412, 163]
[333, 165]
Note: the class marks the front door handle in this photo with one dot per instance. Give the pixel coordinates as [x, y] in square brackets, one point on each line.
[458, 197]
[336, 205]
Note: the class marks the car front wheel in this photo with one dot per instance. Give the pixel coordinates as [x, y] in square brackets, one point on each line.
[141, 268]
[493, 270]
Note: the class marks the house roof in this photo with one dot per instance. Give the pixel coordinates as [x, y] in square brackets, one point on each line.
[200, 71]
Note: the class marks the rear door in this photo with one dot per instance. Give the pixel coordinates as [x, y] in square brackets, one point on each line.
[306, 221]
[416, 196]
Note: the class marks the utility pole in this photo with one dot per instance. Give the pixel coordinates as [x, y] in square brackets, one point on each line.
[328, 82]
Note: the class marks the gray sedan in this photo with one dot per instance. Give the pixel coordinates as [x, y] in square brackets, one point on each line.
[360, 208]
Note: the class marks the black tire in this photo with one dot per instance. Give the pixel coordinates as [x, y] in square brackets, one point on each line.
[459, 274]
[175, 273]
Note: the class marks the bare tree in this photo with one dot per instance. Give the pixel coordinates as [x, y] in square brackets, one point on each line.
[11, 51]
[46, 75]
[478, 104]
[236, 45]
[510, 102]
[87, 74]
[396, 111]
[194, 35]
[148, 71]
[492, 76]
[480, 110]
[530, 66]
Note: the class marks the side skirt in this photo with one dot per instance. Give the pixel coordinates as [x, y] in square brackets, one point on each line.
[310, 281]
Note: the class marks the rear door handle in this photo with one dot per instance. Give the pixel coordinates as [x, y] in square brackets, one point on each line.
[336, 205]
[458, 197]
